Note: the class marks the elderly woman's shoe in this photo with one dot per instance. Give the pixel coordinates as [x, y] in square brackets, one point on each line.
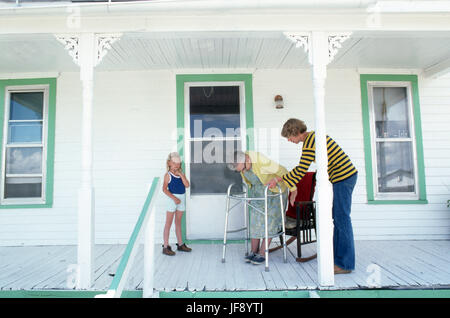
[258, 259]
[249, 257]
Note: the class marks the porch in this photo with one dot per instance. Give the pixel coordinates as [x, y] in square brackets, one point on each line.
[380, 264]
[252, 42]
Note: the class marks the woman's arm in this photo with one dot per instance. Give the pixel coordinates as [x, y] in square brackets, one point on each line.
[296, 174]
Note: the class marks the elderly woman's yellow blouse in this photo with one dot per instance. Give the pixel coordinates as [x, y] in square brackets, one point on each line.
[265, 169]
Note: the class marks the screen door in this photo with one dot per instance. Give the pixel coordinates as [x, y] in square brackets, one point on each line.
[215, 128]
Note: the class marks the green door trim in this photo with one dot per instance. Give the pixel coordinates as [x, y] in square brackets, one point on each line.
[364, 79]
[186, 78]
[51, 82]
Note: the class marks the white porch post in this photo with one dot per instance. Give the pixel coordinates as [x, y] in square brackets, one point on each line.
[321, 48]
[319, 59]
[86, 204]
[87, 50]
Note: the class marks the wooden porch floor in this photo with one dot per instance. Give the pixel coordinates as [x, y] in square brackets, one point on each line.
[401, 264]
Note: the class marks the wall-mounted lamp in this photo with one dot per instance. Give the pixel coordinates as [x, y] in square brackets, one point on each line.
[279, 102]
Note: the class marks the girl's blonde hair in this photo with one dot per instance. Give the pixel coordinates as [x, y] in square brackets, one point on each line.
[173, 156]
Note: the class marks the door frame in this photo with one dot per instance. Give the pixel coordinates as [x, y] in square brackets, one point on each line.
[181, 79]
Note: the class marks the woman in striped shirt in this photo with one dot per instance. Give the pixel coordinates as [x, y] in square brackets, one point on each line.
[342, 174]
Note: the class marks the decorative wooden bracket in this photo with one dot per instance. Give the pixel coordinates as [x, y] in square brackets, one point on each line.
[102, 44]
[335, 41]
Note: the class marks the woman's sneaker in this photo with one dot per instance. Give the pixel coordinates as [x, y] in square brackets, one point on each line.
[183, 248]
[258, 259]
[168, 251]
[249, 257]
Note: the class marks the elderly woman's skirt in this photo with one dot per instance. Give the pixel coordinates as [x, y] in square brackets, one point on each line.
[256, 190]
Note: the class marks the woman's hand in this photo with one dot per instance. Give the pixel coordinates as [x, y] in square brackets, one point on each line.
[273, 183]
[292, 197]
[177, 201]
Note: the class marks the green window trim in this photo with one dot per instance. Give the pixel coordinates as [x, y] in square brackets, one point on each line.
[364, 79]
[50, 142]
[181, 79]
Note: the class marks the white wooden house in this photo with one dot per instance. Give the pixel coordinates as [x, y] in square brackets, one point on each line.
[95, 95]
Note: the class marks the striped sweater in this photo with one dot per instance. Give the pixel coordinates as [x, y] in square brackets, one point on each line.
[339, 165]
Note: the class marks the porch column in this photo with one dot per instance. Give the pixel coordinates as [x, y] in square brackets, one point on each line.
[325, 263]
[321, 48]
[86, 204]
[87, 50]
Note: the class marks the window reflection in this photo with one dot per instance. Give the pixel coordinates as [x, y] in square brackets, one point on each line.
[391, 112]
[214, 111]
[26, 106]
[209, 172]
[395, 167]
[25, 132]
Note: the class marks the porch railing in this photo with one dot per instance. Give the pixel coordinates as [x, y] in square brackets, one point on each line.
[145, 222]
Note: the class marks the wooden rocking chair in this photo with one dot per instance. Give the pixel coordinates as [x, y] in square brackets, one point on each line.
[304, 212]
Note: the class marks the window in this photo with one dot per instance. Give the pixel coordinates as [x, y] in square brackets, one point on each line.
[27, 143]
[393, 148]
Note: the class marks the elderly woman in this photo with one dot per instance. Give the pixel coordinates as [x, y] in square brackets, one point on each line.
[256, 171]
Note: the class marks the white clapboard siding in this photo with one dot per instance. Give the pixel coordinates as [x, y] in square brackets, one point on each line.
[135, 128]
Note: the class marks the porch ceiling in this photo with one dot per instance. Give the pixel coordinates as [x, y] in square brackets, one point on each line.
[234, 50]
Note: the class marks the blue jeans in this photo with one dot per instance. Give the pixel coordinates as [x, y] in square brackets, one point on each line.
[343, 242]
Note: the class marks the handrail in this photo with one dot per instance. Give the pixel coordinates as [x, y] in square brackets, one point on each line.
[120, 278]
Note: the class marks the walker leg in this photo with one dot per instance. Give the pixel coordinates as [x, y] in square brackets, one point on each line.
[283, 227]
[225, 231]
[247, 226]
[266, 233]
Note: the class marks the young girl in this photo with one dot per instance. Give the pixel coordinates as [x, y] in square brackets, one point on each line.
[175, 184]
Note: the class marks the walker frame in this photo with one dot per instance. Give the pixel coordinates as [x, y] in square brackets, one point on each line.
[243, 197]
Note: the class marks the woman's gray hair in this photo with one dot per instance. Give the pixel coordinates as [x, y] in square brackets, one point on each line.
[238, 157]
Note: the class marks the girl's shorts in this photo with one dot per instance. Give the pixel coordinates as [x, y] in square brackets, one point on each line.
[171, 206]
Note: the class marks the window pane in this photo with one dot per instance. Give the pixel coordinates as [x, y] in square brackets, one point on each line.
[214, 110]
[24, 160]
[26, 106]
[395, 167]
[22, 132]
[391, 112]
[23, 188]
[209, 172]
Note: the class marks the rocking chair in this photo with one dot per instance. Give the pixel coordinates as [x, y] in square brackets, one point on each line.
[304, 213]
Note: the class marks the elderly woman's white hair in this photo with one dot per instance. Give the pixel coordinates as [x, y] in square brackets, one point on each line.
[238, 157]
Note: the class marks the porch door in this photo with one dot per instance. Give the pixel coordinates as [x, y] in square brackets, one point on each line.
[215, 128]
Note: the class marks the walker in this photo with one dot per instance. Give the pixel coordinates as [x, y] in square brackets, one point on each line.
[243, 197]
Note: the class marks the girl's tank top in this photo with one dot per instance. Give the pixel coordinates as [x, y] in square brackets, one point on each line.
[176, 185]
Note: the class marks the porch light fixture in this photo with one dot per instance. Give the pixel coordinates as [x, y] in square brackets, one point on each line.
[278, 102]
